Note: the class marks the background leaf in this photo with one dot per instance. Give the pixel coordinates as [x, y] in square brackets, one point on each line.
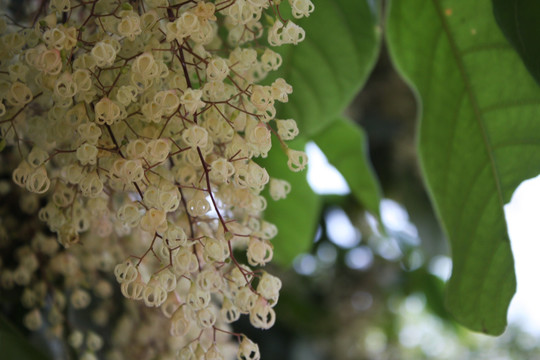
[14, 345]
[479, 137]
[345, 145]
[328, 68]
[518, 19]
[296, 217]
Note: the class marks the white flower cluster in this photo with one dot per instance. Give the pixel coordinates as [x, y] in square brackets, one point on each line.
[139, 124]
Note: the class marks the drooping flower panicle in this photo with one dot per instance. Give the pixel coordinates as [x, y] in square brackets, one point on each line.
[139, 125]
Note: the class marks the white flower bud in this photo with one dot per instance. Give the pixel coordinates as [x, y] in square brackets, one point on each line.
[91, 185]
[130, 25]
[279, 188]
[271, 60]
[301, 8]
[198, 206]
[292, 34]
[280, 90]
[168, 101]
[136, 149]
[38, 182]
[210, 280]
[184, 261]
[191, 99]
[174, 237]
[261, 97]
[37, 157]
[19, 94]
[87, 154]
[107, 112]
[80, 299]
[297, 160]
[154, 221]
[222, 170]
[94, 342]
[33, 320]
[206, 318]
[104, 54]
[125, 272]
[197, 298]
[213, 353]
[262, 315]
[229, 312]
[269, 287]
[65, 87]
[158, 150]
[133, 289]
[145, 66]
[217, 69]
[154, 295]
[257, 176]
[215, 250]
[76, 339]
[126, 94]
[180, 322]
[167, 280]
[245, 299]
[248, 350]
[82, 80]
[89, 132]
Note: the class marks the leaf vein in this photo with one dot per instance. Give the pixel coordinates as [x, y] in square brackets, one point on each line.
[510, 104]
[474, 103]
[486, 47]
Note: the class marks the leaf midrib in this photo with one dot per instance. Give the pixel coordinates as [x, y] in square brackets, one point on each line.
[474, 103]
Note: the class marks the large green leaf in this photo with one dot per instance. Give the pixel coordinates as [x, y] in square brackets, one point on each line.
[345, 145]
[518, 19]
[422, 281]
[328, 68]
[479, 137]
[296, 216]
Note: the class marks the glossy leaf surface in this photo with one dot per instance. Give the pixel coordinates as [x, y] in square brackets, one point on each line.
[330, 66]
[479, 137]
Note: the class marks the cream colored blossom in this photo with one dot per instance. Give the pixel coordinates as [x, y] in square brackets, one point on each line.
[139, 130]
